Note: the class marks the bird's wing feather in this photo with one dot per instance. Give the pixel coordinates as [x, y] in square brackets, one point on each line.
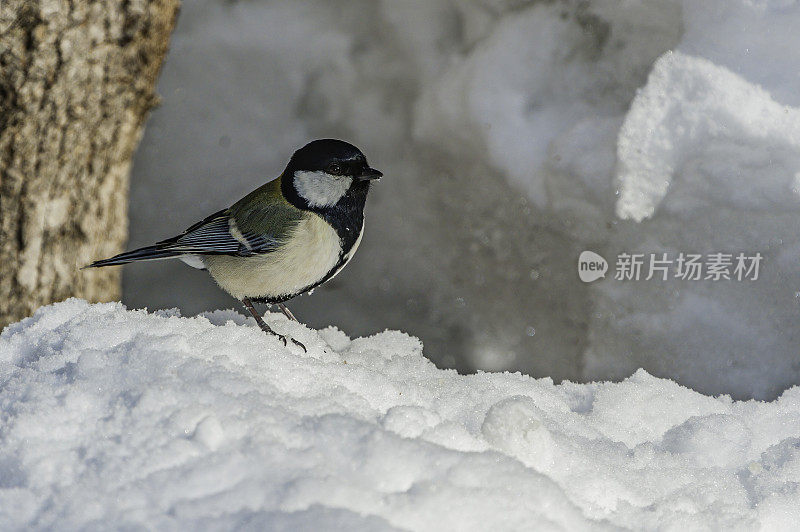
[252, 227]
[261, 222]
[211, 235]
[264, 218]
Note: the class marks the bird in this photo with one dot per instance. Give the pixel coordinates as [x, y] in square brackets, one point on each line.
[285, 238]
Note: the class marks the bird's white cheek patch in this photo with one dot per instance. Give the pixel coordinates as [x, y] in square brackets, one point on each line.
[320, 189]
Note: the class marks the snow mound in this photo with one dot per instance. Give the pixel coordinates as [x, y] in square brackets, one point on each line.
[135, 419]
[693, 113]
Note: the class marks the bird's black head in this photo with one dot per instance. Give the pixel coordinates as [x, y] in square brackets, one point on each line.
[325, 172]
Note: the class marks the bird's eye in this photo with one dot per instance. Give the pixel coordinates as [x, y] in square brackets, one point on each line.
[334, 169]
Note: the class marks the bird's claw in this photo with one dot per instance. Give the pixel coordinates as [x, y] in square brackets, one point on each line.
[286, 339]
[300, 344]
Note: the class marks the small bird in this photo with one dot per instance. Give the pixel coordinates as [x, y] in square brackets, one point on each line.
[283, 239]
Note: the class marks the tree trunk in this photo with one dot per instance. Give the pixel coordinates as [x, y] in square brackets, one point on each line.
[77, 79]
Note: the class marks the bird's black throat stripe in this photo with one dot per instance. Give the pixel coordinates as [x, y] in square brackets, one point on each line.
[347, 216]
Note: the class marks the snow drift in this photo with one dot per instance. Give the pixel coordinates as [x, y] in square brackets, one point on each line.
[126, 418]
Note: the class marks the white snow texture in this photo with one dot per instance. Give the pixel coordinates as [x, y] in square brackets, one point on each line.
[116, 419]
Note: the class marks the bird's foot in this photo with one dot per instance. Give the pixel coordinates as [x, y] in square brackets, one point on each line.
[267, 329]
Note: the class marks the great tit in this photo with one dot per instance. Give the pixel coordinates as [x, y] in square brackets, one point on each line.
[283, 239]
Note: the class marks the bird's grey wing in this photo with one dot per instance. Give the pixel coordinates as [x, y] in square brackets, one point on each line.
[258, 223]
[219, 235]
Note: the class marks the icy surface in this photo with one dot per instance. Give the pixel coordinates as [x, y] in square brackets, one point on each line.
[123, 418]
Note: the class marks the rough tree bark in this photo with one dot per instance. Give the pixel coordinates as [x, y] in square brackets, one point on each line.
[77, 79]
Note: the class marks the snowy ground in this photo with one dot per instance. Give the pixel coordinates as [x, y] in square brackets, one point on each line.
[124, 418]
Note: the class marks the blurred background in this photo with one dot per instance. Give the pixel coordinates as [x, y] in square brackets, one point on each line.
[513, 135]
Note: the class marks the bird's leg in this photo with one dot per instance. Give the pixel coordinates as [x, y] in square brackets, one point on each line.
[287, 312]
[266, 328]
[259, 320]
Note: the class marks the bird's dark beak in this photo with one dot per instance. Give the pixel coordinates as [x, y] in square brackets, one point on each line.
[369, 173]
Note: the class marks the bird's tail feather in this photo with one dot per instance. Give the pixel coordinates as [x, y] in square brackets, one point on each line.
[145, 253]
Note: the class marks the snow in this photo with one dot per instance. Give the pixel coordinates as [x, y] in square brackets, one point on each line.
[708, 161]
[131, 419]
[693, 113]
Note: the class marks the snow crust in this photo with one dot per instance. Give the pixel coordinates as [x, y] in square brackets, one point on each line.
[133, 419]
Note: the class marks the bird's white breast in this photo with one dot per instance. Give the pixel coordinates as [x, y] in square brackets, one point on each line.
[309, 254]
